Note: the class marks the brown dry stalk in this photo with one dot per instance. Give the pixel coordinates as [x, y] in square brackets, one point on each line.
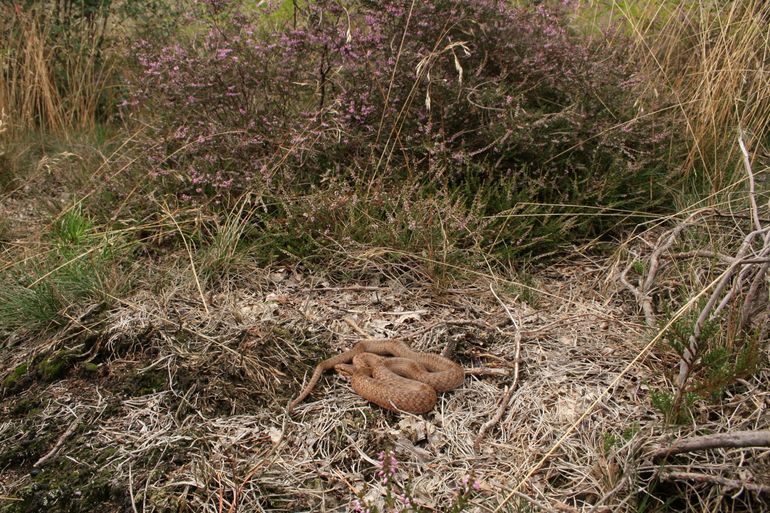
[704, 442]
[507, 395]
[664, 242]
[170, 215]
[723, 481]
[59, 443]
[691, 352]
[59, 94]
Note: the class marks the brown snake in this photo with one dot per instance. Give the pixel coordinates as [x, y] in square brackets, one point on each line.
[406, 381]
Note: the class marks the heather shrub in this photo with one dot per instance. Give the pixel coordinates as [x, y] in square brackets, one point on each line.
[450, 94]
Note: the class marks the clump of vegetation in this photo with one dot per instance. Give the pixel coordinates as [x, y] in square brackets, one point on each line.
[80, 265]
[712, 58]
[397, 497]
[60, 59]
[15, 377]
[488, 108]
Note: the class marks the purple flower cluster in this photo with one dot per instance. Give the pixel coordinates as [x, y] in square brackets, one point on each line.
[444, 89]
[388, 466]
[469, 482]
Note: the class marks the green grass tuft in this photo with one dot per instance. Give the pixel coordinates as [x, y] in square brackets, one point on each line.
[81, 267]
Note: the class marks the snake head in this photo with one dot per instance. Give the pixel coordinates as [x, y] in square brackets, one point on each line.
[346, 369]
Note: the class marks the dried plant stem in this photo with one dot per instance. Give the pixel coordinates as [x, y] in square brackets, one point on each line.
[486, 371]
[700, 443]
[59, 443]
[643, 291]
[750, 176]
[393, 74]
[509, 393]
[691, 352]
[192, 260]
[723, 481]
[350, 322]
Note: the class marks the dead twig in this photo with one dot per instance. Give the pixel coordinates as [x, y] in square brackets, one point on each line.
[754, 301]
[730, 484]
[167, 211]
[487, 371]
[750, 176]
[349, 288]
[701, 443]
[643, 291]
[350, 322]
[507, 395]
[59, 443]
[692, 351]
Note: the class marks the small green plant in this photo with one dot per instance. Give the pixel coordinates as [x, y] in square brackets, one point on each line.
[725, 356]
[225, 247]
[16, 375]
[72, 228]
[80, 265]
[611, 440]
[55, 366]
[723, 365]
[665, 403]
[528, 290]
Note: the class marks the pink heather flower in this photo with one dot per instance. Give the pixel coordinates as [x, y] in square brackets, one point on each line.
[223, 53]
[388, 464]
[359, 507]
[468, 485]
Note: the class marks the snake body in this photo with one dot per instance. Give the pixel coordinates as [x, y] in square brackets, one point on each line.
[405, 380]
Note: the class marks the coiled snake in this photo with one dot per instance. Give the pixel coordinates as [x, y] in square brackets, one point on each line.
[406, 380]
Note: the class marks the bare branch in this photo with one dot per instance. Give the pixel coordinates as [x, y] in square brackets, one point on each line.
[715, 441]
[750, 173]
[703, 253]
[731, 484]
[507, 396]
[664, 242]
[642, 298]
[59, 443]
[691, 352]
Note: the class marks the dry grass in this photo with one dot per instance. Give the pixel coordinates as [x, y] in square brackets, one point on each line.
[215, 435]
[711, 57]
[51, 83]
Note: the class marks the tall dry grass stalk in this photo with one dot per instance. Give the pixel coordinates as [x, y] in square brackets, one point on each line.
[52, 79]
[714, 59]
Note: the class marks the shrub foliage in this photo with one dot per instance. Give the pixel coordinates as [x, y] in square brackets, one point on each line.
[440, 89]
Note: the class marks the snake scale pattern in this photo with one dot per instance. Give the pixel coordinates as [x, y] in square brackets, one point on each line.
[391, 375]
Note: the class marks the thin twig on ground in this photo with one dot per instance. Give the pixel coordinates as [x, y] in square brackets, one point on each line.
[507, 395]
[59, 443]
[642, 292]
[730, 484]
[700, 443]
